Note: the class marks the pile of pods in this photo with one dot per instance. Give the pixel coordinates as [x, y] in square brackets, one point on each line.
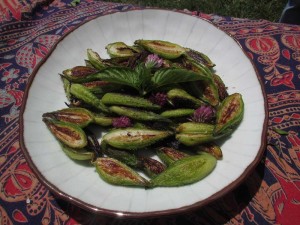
[161, 107]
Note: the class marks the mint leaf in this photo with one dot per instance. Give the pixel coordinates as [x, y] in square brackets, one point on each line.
[167, 76]
[145, 76]
[120, 75]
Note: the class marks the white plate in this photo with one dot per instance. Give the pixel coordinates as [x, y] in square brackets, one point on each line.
[81, 184]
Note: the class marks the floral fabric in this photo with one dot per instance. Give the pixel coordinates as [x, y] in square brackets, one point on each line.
[270, 195]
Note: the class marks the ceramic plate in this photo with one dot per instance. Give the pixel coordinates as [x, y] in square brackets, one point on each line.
[81, 184]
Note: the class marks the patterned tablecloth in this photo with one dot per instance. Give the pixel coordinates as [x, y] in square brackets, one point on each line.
[271, 195]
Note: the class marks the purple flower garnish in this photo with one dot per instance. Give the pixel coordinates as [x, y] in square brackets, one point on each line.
[158, 98]
[121, 122]
[153, 61]
[204, 114]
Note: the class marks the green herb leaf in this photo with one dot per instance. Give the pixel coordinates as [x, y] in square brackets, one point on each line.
[167, 76]
[122, 75]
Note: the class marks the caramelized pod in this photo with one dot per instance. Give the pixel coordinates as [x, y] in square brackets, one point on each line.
[170, 155]
[230, 114]
[117, 173]
[134, 138]
[164, 49]
[78, 116]
[69, 134]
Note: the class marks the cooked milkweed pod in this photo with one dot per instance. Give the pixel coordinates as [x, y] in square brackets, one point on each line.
[164, 49]
[192, 139]
[69, 134]
[78, 154]
[185, 171]
[103, 120]
[198, 57]
[229, 114]
[222, 90]
[137, 114]
[83, 93]
[175, 113]
[170, 155]
[78, 73]
[150, 166]
[114, 172]
[124, 156]
[120, 49]
[100, 87]
[210, 93]
[78, 116]
[180, 98]
[211, 148]
[128, 100]
[133, 138]
[95, 60]
[193, 127]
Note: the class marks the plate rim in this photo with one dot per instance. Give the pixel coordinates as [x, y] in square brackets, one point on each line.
[126, 214]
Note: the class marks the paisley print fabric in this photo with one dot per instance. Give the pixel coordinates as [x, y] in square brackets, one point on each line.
[271, 195]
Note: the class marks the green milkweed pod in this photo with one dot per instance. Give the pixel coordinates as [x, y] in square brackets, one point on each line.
[114, 172]
[69, 134]
[78, 116]
[78, 154]
[229, 114]
[83, 93]
[164, 49]
[120, 49]
[128, 100]
[133, 138]
[180, 97]
[185, 171]
[170, 155]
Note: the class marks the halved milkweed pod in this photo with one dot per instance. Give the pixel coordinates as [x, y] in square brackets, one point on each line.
[95, 60]
[100, 87]
[210, 93]
[115, 172]
[78, 73]
[78, 154]
[78, 116]
[222, 90]
[170, 155]
[180, 98]
[137, 114]
[134, 138]
[198, 57]
[176, 113]
[211, 148]
[150, 166]
[82, 93]
[164, 49]
[128, 100]
[120, 49]
[229, 114]
[69, 134]
[185, 171]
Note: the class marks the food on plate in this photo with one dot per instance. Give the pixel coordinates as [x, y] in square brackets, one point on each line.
[161, 110]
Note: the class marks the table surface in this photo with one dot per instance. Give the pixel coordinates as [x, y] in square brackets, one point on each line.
[270, 195]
